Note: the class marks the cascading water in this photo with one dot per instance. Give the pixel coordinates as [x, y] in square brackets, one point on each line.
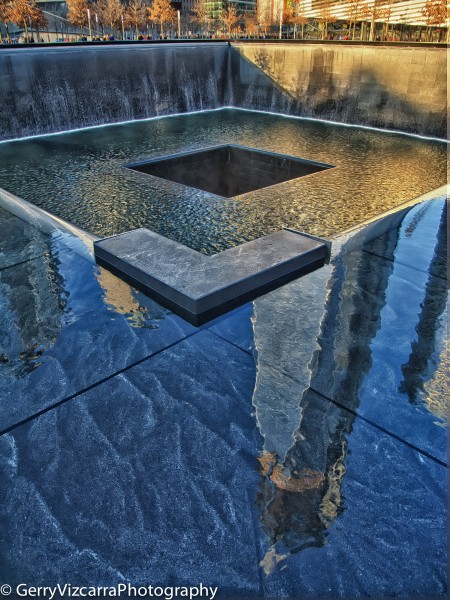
[51, 89]
[56, 89]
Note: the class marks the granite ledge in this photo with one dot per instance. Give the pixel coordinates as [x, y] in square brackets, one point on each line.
[199, 287]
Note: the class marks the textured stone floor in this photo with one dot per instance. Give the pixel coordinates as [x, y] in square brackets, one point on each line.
[296, 447]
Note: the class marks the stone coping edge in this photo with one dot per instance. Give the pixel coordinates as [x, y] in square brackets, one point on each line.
[199, 288]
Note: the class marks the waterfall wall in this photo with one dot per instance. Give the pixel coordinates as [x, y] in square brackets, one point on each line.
[56, 88]
[392, 87]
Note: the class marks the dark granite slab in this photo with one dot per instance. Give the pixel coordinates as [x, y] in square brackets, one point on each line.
[366, 331]
[237, 328]
[376, 529]
[152, 476]
[423, 228]
[65, 324]
[200, 287]
[19, 241]
[171, 494]
[148, 478]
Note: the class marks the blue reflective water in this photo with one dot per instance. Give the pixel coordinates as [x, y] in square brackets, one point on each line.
[376, 351]
[145, 450]
[298, 447]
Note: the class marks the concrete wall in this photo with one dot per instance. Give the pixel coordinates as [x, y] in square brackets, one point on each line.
[49, 89]
[390, 87]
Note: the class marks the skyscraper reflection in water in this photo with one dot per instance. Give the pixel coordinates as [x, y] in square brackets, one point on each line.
[300, 493]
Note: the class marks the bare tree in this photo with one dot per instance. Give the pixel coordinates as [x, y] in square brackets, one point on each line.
[263, 15]
[358, 11]
[288, 15]
[326, 17]
[39, 21]
[387, 12]
[200, 16]
[365, 16]
[261, 11]
[251, 23]
[376, 12]
[110, 13]
[294, 15]
[299, 17]
[136, 15]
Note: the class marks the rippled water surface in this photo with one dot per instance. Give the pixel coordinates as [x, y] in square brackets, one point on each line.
[295, 448]
[81, 177]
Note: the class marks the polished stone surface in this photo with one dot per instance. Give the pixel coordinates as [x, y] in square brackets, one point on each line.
[167, 494]
[65, 325]
[63, 88]
[392, 87]
[379, 529]
[384, 333]
[19, 241]
[213, 459]
[418, 240]
[171, 492]
[200, 287]
[236, 327]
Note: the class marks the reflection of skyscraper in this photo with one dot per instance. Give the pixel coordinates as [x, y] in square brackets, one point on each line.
[424, 354]
[32, 303]
[301, 496]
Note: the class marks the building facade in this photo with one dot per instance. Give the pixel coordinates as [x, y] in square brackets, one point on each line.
[216, 7]
[402, 12]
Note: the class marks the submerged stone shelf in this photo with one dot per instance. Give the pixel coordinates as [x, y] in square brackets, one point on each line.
[199, 287]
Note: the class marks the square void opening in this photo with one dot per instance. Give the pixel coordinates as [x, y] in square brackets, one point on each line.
[229, 170]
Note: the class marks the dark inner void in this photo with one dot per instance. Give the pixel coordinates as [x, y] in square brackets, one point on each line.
[229, 170]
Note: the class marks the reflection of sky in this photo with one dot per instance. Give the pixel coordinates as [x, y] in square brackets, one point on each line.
[57, 310]
[366, 327]
[318, 506]
[420, 222]
[32, 304]
[405, 298]
[43, 295]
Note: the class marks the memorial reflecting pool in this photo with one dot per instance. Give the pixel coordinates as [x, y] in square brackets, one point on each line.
[296, 447]
[81, 177]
